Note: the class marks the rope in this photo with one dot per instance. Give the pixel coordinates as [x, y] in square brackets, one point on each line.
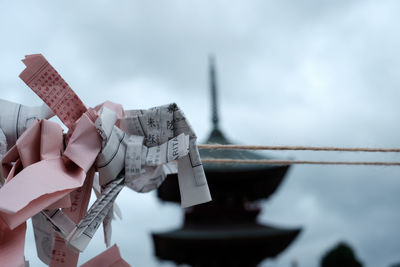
[343, 149]
[304, 162]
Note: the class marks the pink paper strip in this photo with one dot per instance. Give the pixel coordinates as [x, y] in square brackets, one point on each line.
[84, 145]
[45, 81]
[12, 244]
[109, 258]
[48, 180]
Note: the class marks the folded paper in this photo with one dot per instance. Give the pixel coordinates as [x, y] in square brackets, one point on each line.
[47, 175]
[109, 258]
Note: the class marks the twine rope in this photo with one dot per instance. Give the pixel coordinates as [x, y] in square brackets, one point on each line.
[302, 162]
[312, 148]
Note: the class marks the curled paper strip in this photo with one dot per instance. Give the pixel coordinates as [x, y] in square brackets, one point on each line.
[48, 176]
[109, 258]
[16, 118]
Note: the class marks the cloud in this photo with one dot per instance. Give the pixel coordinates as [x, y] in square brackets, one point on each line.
[290, 73]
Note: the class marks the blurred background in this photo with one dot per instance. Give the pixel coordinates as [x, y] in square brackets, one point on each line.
[289, 73]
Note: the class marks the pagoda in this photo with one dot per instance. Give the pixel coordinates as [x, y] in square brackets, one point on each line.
[225, 231]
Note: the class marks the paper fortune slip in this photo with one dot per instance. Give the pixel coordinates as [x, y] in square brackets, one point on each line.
[48, 175]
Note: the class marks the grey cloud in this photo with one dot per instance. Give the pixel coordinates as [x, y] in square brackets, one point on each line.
[294, 72]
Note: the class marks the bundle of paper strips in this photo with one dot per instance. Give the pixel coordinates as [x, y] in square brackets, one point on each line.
[48, 176]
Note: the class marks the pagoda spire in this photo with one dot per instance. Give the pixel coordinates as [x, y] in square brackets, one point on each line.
[213, 87]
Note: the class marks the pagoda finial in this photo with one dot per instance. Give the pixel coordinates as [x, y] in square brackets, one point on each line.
[213, 87]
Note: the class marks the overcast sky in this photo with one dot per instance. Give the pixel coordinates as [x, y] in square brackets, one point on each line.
[290, 73]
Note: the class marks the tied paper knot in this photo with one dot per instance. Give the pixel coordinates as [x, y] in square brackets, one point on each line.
[147, 148]
[48, 176]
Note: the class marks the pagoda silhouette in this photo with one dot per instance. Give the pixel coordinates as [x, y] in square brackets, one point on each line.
[225, 231]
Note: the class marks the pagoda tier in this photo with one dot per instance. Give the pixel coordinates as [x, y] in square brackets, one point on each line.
[225, 231]
[244, 244]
